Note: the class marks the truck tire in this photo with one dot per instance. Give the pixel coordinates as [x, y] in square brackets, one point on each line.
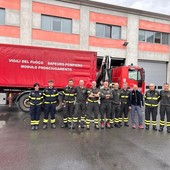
[23, 103]
[59, 106]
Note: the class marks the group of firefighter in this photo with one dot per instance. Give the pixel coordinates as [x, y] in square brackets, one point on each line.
[108, 106]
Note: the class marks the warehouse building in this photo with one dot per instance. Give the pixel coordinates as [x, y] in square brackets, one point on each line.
[130, 36]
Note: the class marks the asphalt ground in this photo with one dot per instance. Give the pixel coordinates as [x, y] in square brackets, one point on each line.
[65, 149]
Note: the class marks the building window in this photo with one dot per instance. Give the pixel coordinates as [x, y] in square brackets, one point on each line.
[58, 24]
[2, 16]
[108, 31]
[153, 37]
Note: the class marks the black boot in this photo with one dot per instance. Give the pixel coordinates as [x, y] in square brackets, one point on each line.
[96, 126]
[154, 128]
[69, 125]
[168, 129]
[36, 127]
[111, 125]
[53, 126]
[147, 127]
[161, 129]
[63, 125]
[120, 123]
[82, 125]
[88, 127]
[117, 125]
[74, 125]
[126, 124]
[45, 126]
[32, 127]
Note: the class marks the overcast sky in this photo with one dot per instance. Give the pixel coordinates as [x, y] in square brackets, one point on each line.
[158, 6]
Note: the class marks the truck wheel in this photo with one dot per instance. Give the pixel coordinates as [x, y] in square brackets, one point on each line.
[59, 106]
[23, 103]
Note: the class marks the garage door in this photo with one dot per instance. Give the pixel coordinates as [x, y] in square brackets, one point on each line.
[155, 72]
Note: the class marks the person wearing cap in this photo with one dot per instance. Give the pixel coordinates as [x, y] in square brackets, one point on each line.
[50, 99]
[36, 100]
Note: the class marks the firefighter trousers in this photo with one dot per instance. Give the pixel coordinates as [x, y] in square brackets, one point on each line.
[35, 112]
[164, 110]
[150, 110]
[68, 113]
[79, 112]
[124, 109]
[115, 113]
[105, 107]
[49, 109]
[92, 107]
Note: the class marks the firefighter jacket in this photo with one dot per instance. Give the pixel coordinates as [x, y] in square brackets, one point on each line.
[116, 97]
[125, 97]
[36, 98]
[50, 95]
[103, 93]
[165, 98]
[69, 94]
[92, 91]
[152, 98]
[136, 98]
[81, 94]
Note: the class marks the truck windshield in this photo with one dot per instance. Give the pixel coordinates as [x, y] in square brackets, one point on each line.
[134, 74]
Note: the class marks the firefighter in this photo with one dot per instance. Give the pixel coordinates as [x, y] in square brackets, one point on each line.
[125, 103]
[36, 100]
[80, 105]
[115, 106]
[93, 105]
[50, 100]
[106, 104]
[69, 100]
[151, 105]
[165, 108]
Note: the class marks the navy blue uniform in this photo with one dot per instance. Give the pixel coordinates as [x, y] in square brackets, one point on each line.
[36, 100]
[50, 100]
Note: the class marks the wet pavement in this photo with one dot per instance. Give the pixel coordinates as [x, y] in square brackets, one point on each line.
[64, 149]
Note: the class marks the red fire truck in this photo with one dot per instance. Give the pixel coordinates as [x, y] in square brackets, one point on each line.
[22, 66]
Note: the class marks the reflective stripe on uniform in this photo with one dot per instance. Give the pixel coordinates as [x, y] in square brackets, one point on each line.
[154, 123]
[33, 122]
[167, 124]
[92, 101]
[52, 120]
[154, 105]
[69, 119]
[162, 123]
[125, 119]
[50, 102]
[75, 119]
[96, 121]
[50, 95]
[147, 122]
[116, 120]
[124, 96]
[45, 120]
[152, 98]
[64, 120]
[35, 104]
[120, 119]
[87, 121]
[69, 101]
[82, 118]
